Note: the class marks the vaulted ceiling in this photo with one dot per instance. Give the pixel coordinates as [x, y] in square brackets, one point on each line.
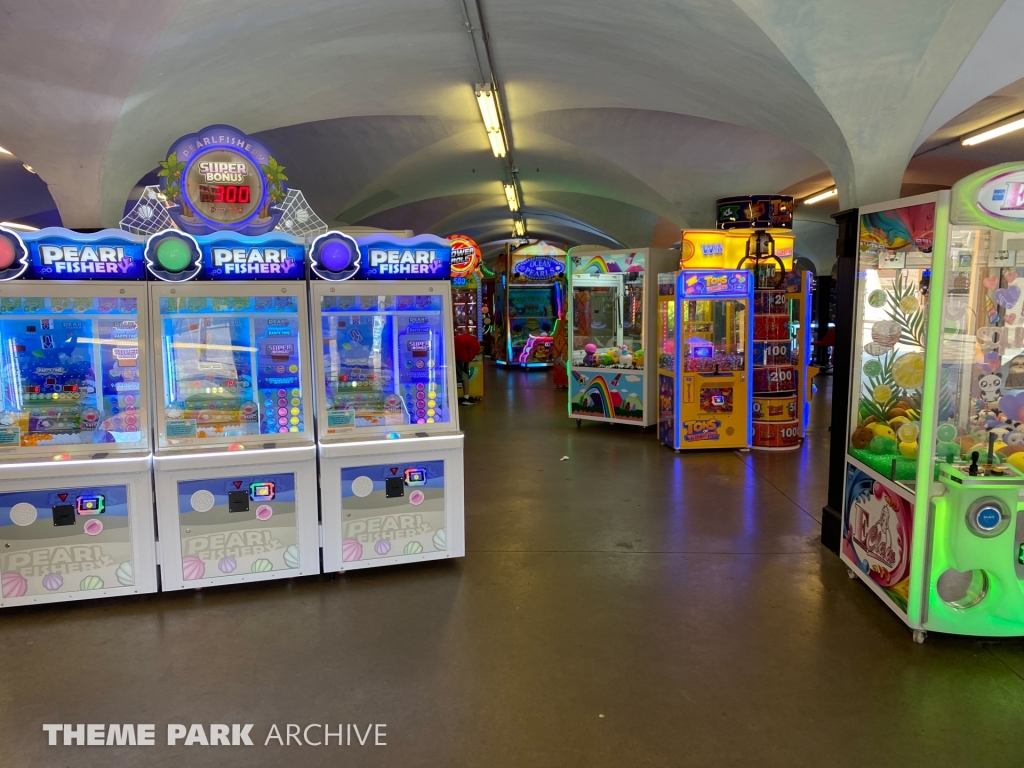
[626, 120]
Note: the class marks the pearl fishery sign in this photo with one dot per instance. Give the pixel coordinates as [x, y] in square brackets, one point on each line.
[175, 256]
[60, 254]
[337, 256]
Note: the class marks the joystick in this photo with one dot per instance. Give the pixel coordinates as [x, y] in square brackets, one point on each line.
[973, 469]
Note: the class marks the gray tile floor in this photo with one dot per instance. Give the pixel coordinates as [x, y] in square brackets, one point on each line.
[627, 607]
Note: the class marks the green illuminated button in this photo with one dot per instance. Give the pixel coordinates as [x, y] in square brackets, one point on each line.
[173, 254]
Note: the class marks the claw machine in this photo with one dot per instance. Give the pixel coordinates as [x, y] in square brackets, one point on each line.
[235, 462]
[529, 301]
[389, 441]
[467, 306]
[932, 520]
[612, 316]
[704, 363]
[76, 499]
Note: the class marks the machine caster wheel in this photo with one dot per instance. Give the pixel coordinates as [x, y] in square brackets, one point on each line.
[919, 636]
[850, 573]
[579, 422]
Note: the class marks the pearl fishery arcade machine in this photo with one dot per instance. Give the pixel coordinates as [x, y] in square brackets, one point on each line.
[704, 332]
[235, 463]
[76, 505]
[389, 442]
[935, 465]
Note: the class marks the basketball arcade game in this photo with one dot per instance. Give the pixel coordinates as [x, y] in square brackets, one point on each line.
[76, 507]
[932, 517]
[612, 321]
[389, 444]
[704, 361]
[528, 304]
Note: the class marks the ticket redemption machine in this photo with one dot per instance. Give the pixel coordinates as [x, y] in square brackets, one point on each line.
[932, 519]
[529, 302]
[76, 499]
[235, 462]
[704, 361]
[390, 449]
[612, 316]
[780, 347]
[467, 306]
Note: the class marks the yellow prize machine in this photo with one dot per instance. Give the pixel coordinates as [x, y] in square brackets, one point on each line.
[467, 303]
[704, 327]
[752, 235]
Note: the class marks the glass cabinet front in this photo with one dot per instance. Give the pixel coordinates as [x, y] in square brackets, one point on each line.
[711, 334]
[73, 375]
[232, 368]
[385, 364]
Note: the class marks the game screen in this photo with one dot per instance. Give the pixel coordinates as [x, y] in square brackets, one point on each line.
[531, 313]
[70, 372]
[384, 361]
[231, 367]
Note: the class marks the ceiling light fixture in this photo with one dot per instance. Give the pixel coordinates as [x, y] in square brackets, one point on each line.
[487, 100]
[1009, 125]
[4, 151]
[512, 195]
[821, 196]
[28, 167]
[16, 225]
[518, 228]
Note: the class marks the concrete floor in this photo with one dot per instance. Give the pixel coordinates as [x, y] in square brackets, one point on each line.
[627, 607]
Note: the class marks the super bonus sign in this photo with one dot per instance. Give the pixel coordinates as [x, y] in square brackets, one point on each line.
[337, 256]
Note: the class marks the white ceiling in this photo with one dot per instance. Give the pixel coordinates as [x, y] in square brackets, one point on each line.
[627, 119]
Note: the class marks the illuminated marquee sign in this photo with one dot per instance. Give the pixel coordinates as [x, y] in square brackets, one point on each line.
[175, 256]
[722, 284]
[755, 211]
[465, 255]
[60, 254]
[221, 179]
[337, 256]
[538, 268]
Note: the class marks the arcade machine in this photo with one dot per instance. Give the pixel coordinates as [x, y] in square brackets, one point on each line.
[781, 344]
[932, 519]
[389, 442]
[528, 303]
[76, 506]
[467, 304]
[704, 361]
[235, 463]
[612, 318]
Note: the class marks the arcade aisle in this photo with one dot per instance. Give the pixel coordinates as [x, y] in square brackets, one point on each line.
[626, 606]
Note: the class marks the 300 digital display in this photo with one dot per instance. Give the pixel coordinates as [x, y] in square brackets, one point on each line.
[224, 193]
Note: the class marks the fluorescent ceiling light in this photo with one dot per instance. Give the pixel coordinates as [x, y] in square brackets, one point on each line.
[497, 144]
[512, 195]
[821, 196]
[487, 100]
[4, 151]
[518, 227]
[999, 129]
[488, 106]
[16, 225]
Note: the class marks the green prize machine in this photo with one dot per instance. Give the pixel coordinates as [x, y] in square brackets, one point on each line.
[935, 458]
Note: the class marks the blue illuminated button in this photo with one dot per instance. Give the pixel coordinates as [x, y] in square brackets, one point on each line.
[988, 518]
